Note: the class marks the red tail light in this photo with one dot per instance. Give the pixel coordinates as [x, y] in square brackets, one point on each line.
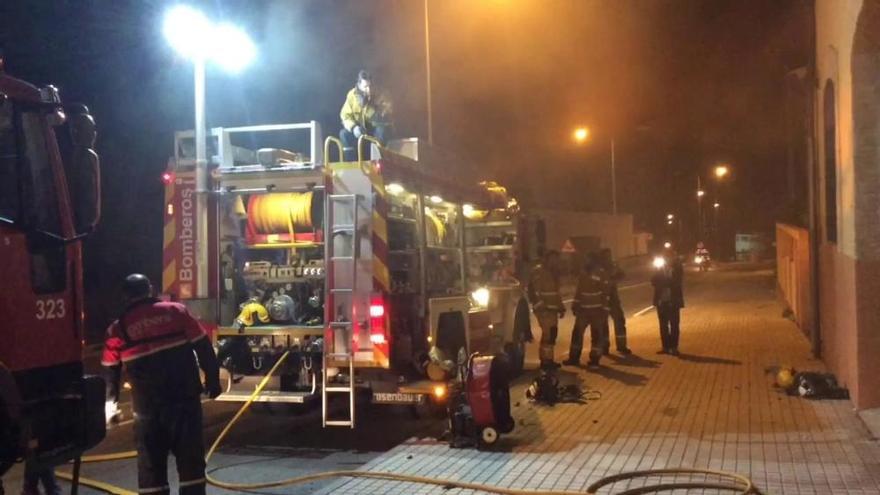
[378, 320]
[167, 177]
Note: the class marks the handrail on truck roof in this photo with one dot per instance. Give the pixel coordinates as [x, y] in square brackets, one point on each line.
[224, 153]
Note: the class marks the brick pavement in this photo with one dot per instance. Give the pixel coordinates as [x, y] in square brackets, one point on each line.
[714, 407]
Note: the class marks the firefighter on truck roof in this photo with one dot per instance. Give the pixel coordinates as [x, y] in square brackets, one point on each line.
[158, 343]
[543, 292]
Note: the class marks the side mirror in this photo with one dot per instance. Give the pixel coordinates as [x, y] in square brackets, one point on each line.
[85, 171]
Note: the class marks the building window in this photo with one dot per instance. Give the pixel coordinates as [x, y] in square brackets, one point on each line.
[830, 139]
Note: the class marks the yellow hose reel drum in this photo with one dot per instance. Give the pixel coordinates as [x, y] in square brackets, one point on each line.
[280, 213]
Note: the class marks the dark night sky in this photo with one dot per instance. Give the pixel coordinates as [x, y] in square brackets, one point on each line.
[678, 84]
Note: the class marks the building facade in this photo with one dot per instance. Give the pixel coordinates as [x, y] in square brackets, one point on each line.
[845, 181]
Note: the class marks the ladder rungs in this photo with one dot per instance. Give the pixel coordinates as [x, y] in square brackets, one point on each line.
[338, 423]
[339, 389]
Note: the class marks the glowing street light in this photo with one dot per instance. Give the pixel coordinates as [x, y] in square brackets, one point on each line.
[701, 193]
[669, 222]
[717, 205]
[670, 216]
[196, 38]
[581, 134]
[721, 171]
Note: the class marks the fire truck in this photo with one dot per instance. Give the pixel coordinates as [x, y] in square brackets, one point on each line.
[49, 200]
[377, 274]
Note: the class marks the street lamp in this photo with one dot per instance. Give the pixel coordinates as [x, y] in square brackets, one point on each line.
[194, 37]
[581, 134]
[721, 171]
[670, 216]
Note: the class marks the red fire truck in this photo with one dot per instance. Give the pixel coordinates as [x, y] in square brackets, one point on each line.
[378, 274]
[49, 412]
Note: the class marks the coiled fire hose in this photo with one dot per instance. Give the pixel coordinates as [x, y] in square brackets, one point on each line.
[735, 482]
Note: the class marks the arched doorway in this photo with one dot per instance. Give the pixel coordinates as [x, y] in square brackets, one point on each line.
[830, 140]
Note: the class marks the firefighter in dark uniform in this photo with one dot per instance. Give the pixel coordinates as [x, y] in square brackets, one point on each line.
[543, 293]
[614, 275]
[158, 343]
[590, 307]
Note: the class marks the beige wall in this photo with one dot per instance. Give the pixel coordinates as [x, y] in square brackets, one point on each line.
[615, 231]
[835, 28]
[849, 272]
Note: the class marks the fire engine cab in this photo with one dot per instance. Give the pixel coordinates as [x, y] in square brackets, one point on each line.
[49, 199]
[378, 274]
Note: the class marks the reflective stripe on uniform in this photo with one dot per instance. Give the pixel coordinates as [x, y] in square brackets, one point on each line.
[199, 481]
[155, 489]
[155, 350]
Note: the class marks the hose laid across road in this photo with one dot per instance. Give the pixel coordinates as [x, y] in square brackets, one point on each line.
[736, 482]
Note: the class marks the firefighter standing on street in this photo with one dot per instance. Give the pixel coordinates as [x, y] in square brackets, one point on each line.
[158, 343]
[614, 275]
[365, 112]
[543, 292]
[668, 299]
[590, 307]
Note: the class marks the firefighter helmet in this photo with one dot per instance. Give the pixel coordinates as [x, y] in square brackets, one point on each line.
[282, 308]
[785, 377]
[248, 309]
[137, 286]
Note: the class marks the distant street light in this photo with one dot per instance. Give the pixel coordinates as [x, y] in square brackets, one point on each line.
[701, 193]
[670, 216]
[669, 222]
[717, 205]
[581, 134]
[199, 40]
[667, 244]
[721, 171]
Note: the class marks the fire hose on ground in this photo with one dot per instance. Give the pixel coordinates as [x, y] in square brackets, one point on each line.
[734, 483]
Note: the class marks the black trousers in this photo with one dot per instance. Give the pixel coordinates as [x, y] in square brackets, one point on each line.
[349, 141]
[619, 319]
[670, 320]
[598, 323]
[174, 428]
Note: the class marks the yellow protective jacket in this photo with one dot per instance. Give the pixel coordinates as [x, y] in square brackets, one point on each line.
[593, 292]
[363, 111]
[543, 291]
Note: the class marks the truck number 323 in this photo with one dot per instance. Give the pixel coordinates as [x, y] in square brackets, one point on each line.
[50, 309]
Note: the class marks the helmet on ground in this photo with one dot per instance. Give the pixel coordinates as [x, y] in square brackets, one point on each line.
[137, 286]
[785, 377]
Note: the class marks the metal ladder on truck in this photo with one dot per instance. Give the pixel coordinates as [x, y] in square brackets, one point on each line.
[340, 252]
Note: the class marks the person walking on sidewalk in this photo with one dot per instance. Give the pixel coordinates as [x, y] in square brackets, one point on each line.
[158, 342]
[614, 275]
[669, 299]
[590, 307]
[543, 293]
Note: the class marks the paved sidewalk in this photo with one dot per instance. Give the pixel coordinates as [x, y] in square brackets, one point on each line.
[714, 407]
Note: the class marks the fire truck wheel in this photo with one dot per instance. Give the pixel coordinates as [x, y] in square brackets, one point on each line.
[488, 436]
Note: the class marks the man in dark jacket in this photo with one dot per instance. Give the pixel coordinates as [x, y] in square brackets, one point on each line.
[668, 299]
[158, 342]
